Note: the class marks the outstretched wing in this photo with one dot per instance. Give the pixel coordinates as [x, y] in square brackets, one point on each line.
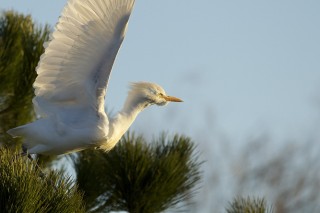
[73, 72]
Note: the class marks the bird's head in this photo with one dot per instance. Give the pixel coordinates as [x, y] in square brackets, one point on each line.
[150, 93]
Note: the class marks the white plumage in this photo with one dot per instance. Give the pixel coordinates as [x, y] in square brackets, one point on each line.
[73, 74]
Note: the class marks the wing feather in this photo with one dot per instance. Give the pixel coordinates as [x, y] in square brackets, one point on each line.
[74, 70]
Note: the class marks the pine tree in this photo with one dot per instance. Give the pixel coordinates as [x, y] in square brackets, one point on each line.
[137, 176]
[248, 205]
[21, 45]
[23, 188]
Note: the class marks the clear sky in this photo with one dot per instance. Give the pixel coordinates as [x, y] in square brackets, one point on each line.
[242, 67]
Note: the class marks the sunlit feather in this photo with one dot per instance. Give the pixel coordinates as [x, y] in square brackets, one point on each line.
[73, 74]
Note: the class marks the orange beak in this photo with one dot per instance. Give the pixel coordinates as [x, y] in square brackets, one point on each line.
[172, 99]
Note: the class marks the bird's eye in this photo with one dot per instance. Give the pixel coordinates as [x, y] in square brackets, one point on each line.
[160, 94]
[146, 105]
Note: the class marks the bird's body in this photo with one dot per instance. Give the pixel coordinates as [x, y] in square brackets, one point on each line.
[73, 74]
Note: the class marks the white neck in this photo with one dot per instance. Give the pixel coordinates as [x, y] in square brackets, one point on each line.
[123, 120]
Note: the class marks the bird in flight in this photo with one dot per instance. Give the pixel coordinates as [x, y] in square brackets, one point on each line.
[73, 75]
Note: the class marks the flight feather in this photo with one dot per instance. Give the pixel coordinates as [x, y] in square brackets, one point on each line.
[73, 72]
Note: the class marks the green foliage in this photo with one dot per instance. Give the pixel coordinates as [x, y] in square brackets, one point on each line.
[24, 189]
[21, 45]
[139, 177]
[248, 205]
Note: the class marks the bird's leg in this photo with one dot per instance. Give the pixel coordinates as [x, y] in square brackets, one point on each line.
[24, 151]
[42, 174]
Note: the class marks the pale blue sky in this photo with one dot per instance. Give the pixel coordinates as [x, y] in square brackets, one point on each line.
[247, 64]
[242, 67]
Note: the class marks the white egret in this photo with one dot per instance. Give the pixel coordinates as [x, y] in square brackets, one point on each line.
[73, 74]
